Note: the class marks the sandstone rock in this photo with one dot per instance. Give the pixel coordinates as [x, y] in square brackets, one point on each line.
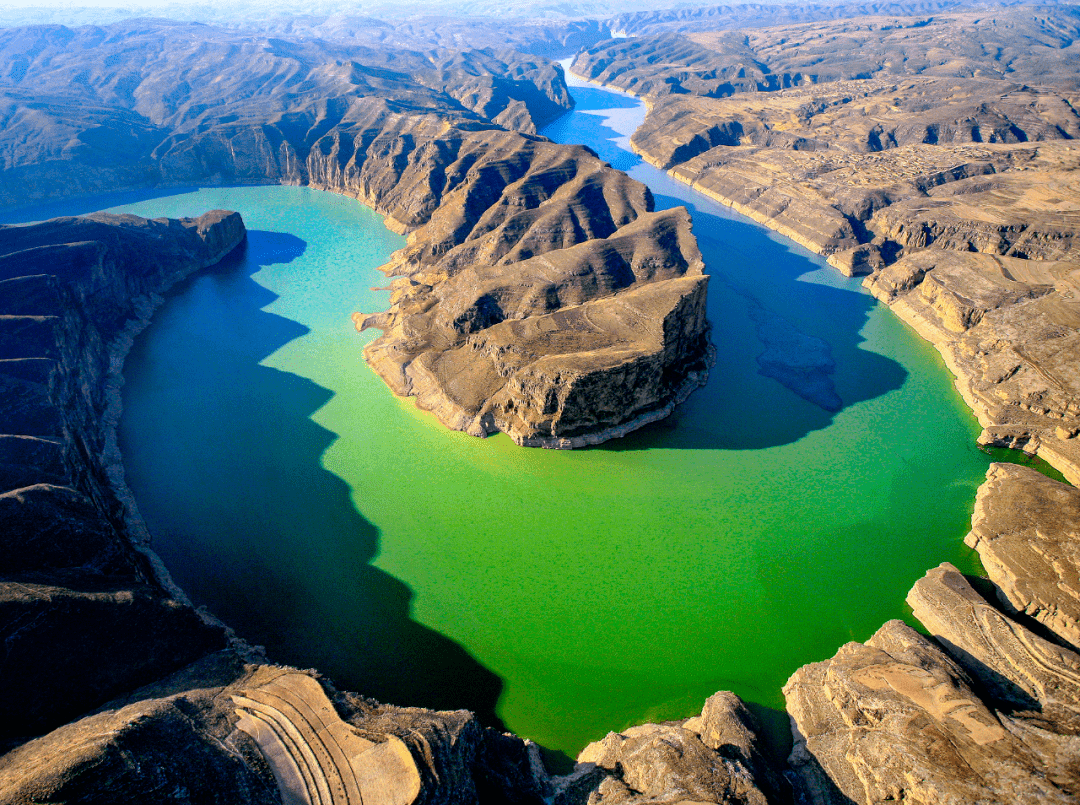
[898, 719]
[1026, 528]
[313, 754]
[711, 758]
[223, 731]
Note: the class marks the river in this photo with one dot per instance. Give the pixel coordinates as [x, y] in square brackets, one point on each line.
[786, 508]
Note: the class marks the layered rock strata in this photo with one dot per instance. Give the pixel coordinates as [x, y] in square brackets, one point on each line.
[544, 298]
[987, 709]
[113, 688]
[952, 188]
[69, 288]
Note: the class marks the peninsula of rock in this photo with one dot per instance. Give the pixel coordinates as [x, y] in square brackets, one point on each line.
[606, 332]
[540, 294]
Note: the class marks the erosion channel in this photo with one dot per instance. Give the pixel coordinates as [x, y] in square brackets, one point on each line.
[786, 508]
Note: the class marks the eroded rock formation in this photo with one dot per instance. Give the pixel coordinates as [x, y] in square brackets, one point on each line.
[953, 188]
[69, 289]
[985, 710]
[560, 309]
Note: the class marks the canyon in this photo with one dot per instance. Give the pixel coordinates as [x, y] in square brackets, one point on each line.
[542, 295]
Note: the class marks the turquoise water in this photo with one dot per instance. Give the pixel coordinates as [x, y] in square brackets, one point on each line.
[786, 508]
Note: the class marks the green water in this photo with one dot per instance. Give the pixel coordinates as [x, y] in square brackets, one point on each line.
[564, 594]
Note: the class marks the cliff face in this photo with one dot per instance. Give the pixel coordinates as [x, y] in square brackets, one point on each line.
[70, 287]
[988, 708]
[443, 145]
[114, 688]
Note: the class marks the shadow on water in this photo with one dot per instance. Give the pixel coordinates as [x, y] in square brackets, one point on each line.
[248, 520]
[783, 369]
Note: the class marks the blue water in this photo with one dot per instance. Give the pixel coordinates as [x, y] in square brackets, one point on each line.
[786, 508]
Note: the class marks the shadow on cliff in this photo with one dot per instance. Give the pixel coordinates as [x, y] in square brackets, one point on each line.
[247, 519]
[789, 349]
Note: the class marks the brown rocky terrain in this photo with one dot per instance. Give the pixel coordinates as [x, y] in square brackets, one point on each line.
[987, 709]
[909, 154]
[439, 142]
[487, 330]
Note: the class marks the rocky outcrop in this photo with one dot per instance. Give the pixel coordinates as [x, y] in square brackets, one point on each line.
[985, 710]
[1008, 330]
[539, 295]
[710, 758]
[224, 731]
[560, 310]
[113, 688]
[70, 288]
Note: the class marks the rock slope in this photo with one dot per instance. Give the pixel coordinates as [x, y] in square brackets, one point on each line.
[987, 709]
[113, 688]
[69, 288]
[544, 297]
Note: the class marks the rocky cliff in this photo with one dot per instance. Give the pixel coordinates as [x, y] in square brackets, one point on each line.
[73, 289]
[986, 708]
[114, 688]
[544, 298]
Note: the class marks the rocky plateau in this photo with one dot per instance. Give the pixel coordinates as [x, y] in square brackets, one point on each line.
[540, 294]
[936, 155]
